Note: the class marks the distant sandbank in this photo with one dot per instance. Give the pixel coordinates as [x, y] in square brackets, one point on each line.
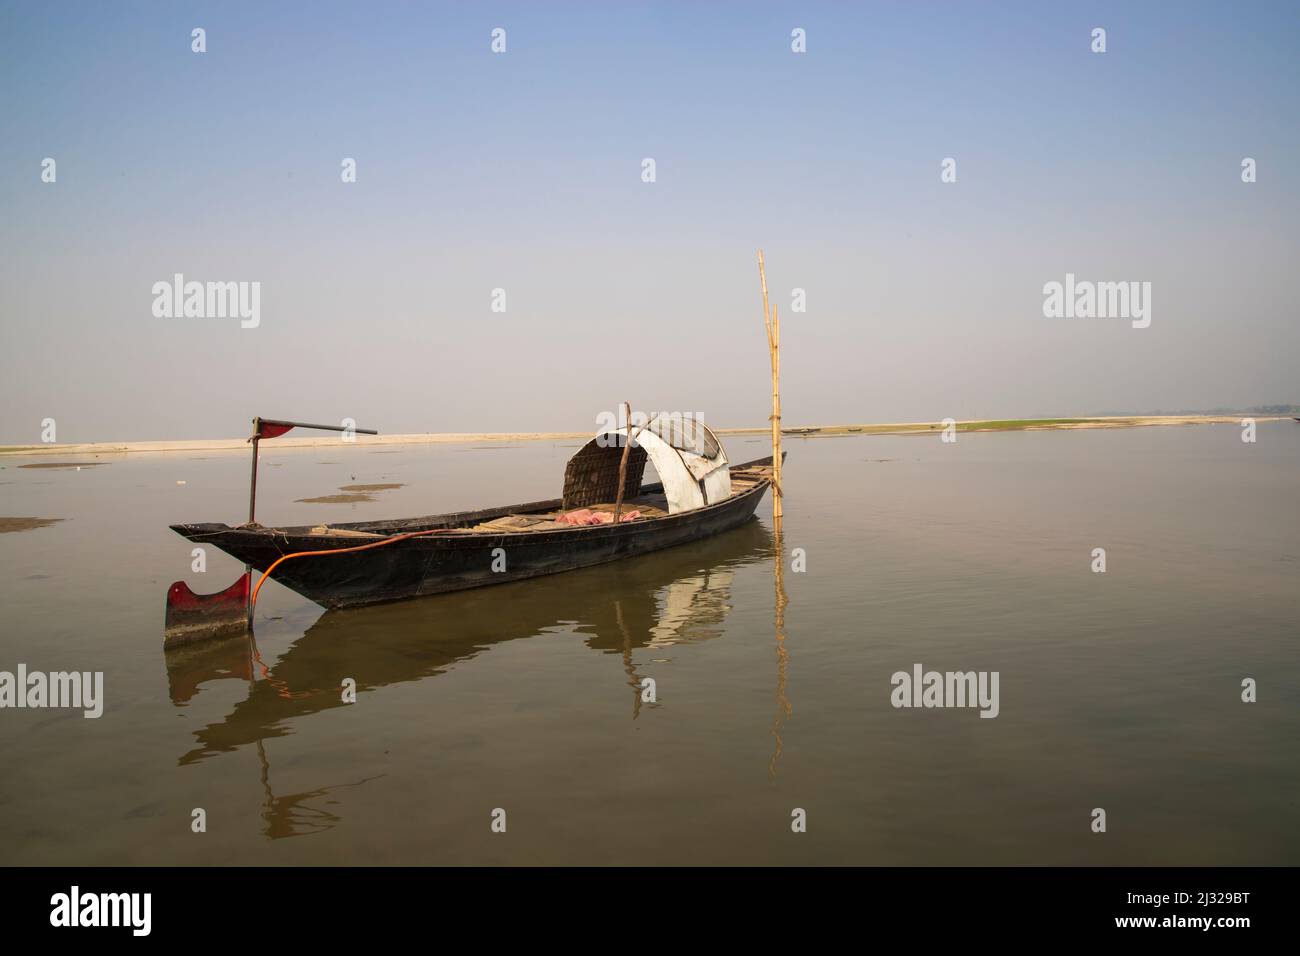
[307, 439]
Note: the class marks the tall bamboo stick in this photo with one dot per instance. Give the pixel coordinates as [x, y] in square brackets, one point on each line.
[772, 321]
[778, 509]
[767, 312]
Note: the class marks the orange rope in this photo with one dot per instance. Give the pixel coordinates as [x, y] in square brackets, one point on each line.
[282, 687]
[252, 602]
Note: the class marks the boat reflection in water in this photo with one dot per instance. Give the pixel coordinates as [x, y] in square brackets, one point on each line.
[675, 596]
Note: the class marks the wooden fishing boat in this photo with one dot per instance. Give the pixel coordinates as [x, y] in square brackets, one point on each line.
[699, 494]
[605, 513]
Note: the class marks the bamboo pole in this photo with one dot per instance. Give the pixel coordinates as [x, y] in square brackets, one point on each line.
[778, 506]
[767, 312]
[772, 321]
[784, 710]
[622, 463]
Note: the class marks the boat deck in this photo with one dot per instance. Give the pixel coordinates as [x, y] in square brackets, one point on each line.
[651, 505]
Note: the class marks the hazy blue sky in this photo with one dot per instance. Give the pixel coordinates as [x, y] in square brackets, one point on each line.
[523, 171]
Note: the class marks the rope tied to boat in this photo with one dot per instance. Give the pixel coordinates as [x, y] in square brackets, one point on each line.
[252, 601]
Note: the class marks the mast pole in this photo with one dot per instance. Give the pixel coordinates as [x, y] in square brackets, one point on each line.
[622, 463]
[252, 481]
[252, 512]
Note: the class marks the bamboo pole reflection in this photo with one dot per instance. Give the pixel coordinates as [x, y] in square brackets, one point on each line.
[628, 666]
[292, 815]
[783, 708]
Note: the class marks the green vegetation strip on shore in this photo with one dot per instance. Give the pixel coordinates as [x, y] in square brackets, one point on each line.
[1007, 424]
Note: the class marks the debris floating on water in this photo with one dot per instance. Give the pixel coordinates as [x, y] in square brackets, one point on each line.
[64, 464]
[336, 499]
[25, 524]
[351, 494]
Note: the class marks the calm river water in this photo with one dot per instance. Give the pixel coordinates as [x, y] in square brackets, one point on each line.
[1119, 690]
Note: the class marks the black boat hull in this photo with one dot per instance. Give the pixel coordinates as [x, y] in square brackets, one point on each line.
[439, 563]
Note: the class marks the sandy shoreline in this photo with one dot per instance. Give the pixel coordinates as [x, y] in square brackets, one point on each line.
[319, 440]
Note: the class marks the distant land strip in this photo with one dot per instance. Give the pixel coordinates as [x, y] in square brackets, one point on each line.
[305, 440]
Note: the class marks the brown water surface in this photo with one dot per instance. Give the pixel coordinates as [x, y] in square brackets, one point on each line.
[1119, 690]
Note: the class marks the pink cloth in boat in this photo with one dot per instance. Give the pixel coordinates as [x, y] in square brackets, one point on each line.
[585, 516]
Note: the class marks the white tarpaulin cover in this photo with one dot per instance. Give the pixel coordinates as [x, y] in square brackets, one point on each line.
[688, 457]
